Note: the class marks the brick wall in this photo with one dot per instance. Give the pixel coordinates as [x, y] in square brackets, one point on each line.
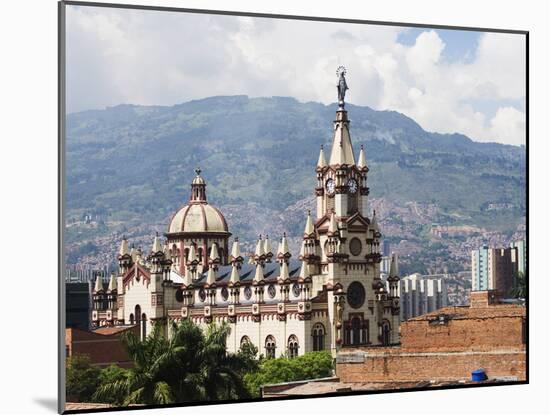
[399, 366]
[102, 349]
[445, 345]
[475, 334]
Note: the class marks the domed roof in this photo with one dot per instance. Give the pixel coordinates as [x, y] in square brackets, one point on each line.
[198, 217]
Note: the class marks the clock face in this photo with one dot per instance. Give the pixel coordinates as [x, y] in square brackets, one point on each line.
[352, 185]
[330, 186]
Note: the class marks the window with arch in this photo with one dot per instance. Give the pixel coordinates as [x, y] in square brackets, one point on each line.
[200, 254]
[245, 341]
[292, 345]
[386, 333]
[356, 331]
[318, 334]
[137, 313]
[132, 318]
[270, 347]
[143, 326]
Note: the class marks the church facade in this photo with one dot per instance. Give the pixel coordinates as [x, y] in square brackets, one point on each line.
[330, 296]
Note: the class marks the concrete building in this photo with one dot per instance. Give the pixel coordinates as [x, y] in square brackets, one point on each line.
[78, 300]
[332, 297]
[494, 269]
[520, 254]
[421, 294]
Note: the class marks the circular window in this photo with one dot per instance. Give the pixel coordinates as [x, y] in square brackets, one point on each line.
[225, 293]
[356, 294]
[202, 294]
[271, 291]
[247, 293]
[179, 296]
[355, 246]
[296, 290]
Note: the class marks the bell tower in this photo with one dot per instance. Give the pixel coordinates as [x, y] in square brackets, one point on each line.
[341, 183]
[341, 248]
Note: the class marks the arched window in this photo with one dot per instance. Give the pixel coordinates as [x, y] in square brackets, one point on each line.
[386, 333]
[245, 340]
[143, 326]
[137, 313]
[356, 331]
[200, 255]
[270, 347]
[318, 334]
[292, 346]
[131, 318]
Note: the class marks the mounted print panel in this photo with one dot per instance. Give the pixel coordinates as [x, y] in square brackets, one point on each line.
[266, 207]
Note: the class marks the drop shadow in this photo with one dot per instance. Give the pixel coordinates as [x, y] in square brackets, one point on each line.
[48, 403]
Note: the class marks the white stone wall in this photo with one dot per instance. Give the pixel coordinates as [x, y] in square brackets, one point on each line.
[257, 332]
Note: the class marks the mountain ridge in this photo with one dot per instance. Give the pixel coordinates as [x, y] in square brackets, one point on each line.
[132, 164]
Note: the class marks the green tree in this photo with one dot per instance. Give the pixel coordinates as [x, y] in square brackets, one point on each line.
[520, 285]
[311, 365]
[82, 378]
[189, 366]
[112, 374]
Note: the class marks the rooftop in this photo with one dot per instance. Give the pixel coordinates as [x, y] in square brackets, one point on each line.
[467, 312]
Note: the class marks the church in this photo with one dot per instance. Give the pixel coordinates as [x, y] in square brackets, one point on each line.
[330, 296]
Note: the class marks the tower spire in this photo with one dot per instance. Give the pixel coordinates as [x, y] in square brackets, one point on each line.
[341, 152]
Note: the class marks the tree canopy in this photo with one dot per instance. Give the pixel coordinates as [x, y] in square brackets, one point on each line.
[311, 365]
[191, 365]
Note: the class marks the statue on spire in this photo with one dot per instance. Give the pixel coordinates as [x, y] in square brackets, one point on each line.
[342, 86]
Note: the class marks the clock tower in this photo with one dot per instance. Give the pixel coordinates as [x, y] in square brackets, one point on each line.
[346, 259]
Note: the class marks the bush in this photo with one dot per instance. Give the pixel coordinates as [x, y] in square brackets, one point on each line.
[82, 379]
[311, 365]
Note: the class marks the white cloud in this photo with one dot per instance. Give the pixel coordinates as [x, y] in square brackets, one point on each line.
[144, 57]
[508, 126]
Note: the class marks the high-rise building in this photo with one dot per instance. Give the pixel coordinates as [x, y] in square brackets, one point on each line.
[386, 248]
[494, 269]
[421, 294]
[520, 254]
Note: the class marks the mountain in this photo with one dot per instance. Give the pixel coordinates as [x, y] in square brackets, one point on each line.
[130, 165]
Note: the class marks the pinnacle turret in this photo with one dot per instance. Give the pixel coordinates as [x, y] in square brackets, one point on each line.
[322, 162]
[309, 229]
[362, 162]
[112, 283]
[123, 247]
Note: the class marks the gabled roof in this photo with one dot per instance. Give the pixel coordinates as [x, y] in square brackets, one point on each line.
[356, 217]
[138, 270]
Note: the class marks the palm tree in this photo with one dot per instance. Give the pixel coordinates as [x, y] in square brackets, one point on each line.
[189, 366]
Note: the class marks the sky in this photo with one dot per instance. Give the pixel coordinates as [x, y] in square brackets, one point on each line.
[449, 81]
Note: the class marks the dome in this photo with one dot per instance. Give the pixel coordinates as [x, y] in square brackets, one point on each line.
[199, 180]
[198, 217]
